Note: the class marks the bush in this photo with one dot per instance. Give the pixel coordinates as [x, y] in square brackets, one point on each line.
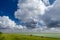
[31, 35]
[16, 38]
[0, 32]
[42, 36]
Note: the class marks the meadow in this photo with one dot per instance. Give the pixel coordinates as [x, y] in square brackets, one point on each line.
[53, 35]
[25, 37]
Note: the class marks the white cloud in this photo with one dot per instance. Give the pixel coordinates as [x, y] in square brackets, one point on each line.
[11, 26]
[30, 9]
[53, 30]
[55, 11]
[7, 23]
[30, 12]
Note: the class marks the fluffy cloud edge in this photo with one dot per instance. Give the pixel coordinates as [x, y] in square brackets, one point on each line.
[6, 23]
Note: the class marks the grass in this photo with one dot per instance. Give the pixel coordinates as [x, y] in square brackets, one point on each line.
[53, 35]
[24, 37]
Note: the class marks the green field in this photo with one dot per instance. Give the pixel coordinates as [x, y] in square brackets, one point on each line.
[25, 37]
[53, 35]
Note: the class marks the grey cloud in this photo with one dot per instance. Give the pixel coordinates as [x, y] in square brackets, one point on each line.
[52, 17]
[30, 12]
[55, 11]
[54, 24]
[31, 24]
[35, 18]
[50, 22]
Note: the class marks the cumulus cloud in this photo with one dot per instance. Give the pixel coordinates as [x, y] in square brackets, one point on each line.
[36, 15]
[6, 23]
[30, 11]
[54, 24]
[54, 13]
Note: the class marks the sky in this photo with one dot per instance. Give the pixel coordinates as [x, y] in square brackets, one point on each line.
[30, 15]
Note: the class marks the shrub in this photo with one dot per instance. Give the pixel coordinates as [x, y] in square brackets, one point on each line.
[31, 35]
[0, 32]
[16, 38]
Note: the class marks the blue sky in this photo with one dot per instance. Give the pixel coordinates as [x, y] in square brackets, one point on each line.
[17, 10]
[8, 7]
